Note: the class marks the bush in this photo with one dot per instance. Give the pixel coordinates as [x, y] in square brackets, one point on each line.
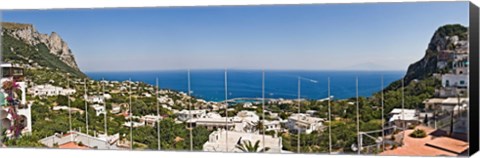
[418, 133]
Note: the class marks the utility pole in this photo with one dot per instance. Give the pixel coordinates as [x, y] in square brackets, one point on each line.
[69, 109]
[403, 107]
[190, 112]
[299, 104]
[226, 112]
[358, 121]
[263, 108]
[158, 115]
[329, 119]
[130, 112]
[299, 128]
[86, 104]
[104, 106]
[383, 121]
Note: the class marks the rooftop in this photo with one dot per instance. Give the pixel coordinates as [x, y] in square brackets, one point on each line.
[72, 145]
[449, 144]
[408, 115]
[305, 118]
[101, 142]
[432, 145]
[450, 100]
[399, 110]
[188, 112]
[218, 139]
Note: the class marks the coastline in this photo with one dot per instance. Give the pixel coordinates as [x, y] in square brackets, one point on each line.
[208, 84]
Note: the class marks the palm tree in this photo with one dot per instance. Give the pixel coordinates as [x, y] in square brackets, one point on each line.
[247, 146]
[259, 126]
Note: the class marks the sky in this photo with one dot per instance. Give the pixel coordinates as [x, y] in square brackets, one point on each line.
[375, 36]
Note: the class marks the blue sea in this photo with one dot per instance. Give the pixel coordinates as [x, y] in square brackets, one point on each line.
[209, 84]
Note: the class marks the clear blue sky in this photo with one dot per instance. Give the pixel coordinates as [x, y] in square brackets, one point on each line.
[384, 36]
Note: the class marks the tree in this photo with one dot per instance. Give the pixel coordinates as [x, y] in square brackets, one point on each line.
[200, 136]
[62, 100]
[247, 146]
[425, 120]
[259, 126]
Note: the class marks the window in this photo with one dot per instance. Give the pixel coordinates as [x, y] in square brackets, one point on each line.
[462, 82]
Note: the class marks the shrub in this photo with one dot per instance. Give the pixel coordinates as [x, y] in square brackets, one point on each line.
[418, 133]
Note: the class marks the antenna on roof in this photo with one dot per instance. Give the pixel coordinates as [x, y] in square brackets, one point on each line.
[106, 111]
[263, 108]
[190, 110]
[86, 104]
[330, 120]
[403, 107]
[298, 126]
[158, 115]
[226, 111]
[69, 109]
[130, 111]
[358, 119]
[383, 121]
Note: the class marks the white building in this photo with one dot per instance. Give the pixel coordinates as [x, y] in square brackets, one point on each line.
[151, 120]
[272, 125]
[100, 99]
[165, 106]
[49, 90]
[311, 112]
[455, 80]
[99, 109]
[455, 83]
[447, 104]
[66, 108]
[74, 139]
[399, 117]
[214, 122]
[146, 94]
[244, 121]
[185, 115]
[304, 123]
[107, 96]
[247, 105]
[134, 124]
[248, 116]
[166, 100]
[219, 141]
[116, 109]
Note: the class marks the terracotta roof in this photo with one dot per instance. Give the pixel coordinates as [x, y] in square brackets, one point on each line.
[429, 146]
[71, 145]
[449, 144]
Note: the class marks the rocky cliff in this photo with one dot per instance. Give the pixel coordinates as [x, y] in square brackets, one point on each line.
[447, 42]
[54, 43]
[45, 57]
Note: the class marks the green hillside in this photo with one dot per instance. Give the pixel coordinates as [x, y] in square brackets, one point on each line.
[16, 51]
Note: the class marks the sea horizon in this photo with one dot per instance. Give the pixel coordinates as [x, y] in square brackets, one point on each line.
[208, 84]
[244, 69]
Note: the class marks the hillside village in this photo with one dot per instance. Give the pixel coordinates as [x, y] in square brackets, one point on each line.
[65, 109]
